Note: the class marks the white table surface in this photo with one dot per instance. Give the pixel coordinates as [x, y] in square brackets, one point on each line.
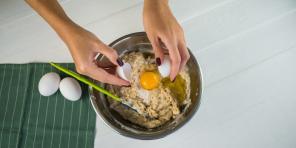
[246, 48]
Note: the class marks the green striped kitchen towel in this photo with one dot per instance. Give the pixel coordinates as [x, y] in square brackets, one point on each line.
[29, 120]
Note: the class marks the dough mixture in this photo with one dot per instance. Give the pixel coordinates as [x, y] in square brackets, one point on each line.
[160, 104]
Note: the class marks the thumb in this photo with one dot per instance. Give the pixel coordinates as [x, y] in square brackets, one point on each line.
[105, 77]
[109, 52]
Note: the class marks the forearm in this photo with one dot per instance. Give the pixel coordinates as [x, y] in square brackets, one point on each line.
[54, 15]
[155, 3]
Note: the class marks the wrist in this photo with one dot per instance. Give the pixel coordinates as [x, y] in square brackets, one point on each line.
[156, 2]
[155, 6]
[66, 29]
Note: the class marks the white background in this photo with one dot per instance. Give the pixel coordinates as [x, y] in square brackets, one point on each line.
[246, 48]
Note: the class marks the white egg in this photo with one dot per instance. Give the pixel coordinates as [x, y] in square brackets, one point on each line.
[165, 67]
[124, 71]
[49, 84]
[70, 89]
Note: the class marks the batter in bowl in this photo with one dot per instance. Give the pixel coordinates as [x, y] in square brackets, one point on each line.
[156, 96]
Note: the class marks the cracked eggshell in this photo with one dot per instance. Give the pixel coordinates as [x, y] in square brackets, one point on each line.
[165, 67]
[124, 71]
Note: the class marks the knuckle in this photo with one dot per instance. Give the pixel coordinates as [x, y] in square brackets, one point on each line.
[187, 56]
[166, 33]
[108, 51]
[176, 60]
[81, 68]
[181, 30]
[113, 52]
[99, 45]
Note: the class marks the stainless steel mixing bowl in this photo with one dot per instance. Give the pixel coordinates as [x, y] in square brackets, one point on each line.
[139, 41]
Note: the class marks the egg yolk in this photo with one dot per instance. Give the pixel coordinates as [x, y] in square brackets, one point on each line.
[149, 80]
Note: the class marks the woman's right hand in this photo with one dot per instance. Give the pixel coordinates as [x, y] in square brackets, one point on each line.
[84, 46]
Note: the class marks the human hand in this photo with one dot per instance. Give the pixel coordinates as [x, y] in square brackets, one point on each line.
[162, 28]
[84, 46]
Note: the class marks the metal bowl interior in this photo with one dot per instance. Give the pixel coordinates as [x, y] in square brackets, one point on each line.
[140, 42]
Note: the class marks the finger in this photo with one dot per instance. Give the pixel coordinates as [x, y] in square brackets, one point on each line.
[109, 52]
[174, 56]
[158, 51]
[184, 53]
[104, 77]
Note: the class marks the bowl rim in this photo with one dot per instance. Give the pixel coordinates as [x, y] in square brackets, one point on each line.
[157, 135]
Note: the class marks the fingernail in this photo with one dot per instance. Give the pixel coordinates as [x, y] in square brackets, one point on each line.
[119, 61]
[126, 85]
[174, 80]
[158, 61]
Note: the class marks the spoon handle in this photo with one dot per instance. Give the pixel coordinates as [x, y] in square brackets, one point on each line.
[86, 81]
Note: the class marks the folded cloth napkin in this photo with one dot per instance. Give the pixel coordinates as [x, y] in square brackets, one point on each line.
[29, 120]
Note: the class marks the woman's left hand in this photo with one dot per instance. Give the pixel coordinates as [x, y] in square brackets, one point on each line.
[162, 28]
